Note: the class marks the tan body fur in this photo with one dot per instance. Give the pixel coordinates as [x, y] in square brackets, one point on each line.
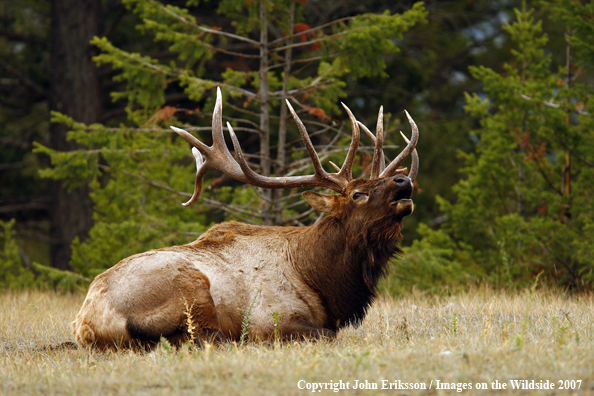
[220, 274]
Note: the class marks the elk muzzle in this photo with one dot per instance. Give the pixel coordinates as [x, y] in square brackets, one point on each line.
[400, 200]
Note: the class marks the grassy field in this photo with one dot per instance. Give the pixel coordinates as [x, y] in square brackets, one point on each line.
[479, 337]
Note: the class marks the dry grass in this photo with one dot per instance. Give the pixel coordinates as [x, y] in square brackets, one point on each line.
[480, 336]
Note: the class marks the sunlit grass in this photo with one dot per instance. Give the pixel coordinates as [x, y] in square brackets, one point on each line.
[480, 336]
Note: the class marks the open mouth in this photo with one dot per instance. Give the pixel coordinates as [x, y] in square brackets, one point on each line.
[402, 203]
[403, 195]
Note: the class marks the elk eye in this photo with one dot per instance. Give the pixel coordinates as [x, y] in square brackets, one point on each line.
[358, 195]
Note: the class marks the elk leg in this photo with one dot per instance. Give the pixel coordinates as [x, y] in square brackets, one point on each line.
[186, 301]
[205, 324]
[296, 327]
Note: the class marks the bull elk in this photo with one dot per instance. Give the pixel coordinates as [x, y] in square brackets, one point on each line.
[314, 279]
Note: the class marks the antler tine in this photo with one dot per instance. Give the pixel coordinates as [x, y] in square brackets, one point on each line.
[393, 166]
[200, 172]
[201, 167]
[346, 171]
[307, 141]
[377, 162]
[218, 139]
[382, 161]
[217, 156]
[414, 167]
[322, 179]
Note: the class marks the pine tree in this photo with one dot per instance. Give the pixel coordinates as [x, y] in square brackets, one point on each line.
[526, 209]
[137, 172]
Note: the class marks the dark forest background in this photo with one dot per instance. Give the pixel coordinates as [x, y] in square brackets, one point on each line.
[501, 92]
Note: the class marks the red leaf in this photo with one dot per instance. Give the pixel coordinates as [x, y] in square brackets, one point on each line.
[321, 114]
[164, 114]
[301, 27]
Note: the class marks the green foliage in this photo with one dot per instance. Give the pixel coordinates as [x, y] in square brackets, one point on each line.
[138, 172]
[17, 271]
[145, 78]
[432, 264]
[60, 279]
[517, 214]
[137, 206]
[370, 35]
[13, 274]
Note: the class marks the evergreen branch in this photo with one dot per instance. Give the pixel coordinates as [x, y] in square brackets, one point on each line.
[231, 209]
[39, 90]
[556, 106]
[242, 91]
[305, 163]
[310, 42]
[315, 84]
[21, 37]
[218, 205]
[232, 53]
[294, 204]
[243, 129]
[544, 175]
[36, 204]
[571, 151]
[286, 197]
[166, 227]
[153, 130]
[307, 60]
[325, 129]
[247, 112]
[299, 216]
[151, 65]
[561, 140]
[166, 72]
[207, 30]
[15, 165]
[311, 30]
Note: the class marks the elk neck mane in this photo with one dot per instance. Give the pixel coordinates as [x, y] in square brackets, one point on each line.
[346, 264]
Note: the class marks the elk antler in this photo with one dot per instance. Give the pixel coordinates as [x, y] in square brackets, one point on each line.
[321, 178]
[378, 168]
[404, 154]
[219, 157]
[414, 167]
[378, 163]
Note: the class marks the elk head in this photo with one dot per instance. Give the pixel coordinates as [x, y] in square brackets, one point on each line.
[385, 194]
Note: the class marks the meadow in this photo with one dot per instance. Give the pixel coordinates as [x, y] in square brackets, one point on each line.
[467, 340]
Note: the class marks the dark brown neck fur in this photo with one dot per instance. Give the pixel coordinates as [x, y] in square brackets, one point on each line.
[346, 265]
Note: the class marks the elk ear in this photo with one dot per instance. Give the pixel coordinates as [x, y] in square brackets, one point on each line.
[321, 202]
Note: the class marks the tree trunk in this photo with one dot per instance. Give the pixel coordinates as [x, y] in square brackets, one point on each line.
[74, 91]
[264, 112]
[282, 129]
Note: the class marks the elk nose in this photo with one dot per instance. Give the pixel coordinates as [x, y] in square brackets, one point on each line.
[402, 181]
